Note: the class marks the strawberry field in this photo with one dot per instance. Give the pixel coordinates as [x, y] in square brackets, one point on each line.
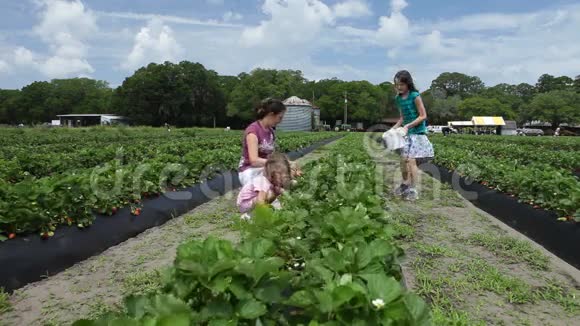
[542, 172]
[329, 257]
[62, 176]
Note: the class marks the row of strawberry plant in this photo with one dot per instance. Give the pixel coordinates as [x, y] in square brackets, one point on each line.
[543, 143]
[42, 204]
[25, 162]
[100, 135]
[519, 153]
[541, 186]
[327, 258]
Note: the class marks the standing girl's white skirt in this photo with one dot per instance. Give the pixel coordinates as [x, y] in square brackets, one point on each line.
[417, 146]
[249, 174]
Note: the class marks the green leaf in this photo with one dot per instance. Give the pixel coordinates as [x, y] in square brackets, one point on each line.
[3, 238]
[257, 269]
[169, 305]
[263, 215]
[321, 271]
[219, 308]
[301, 299]
[220, 266]
[334, 259]
[341, 295]
[381, 248]
[383, 287]
[220, 284]
[270, 293]
[251, 309]
[418, 309]
[363, 256]
[175, 320]
[136, 306]
[238, 289]
[222, 322]
[324, 301]
[257, 248]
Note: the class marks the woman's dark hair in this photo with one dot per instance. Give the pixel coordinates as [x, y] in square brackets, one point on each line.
[270, 105]
[404, 76]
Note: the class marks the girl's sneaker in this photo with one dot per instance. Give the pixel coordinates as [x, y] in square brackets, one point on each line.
[411, 194]
[245, 217]
[400, 190]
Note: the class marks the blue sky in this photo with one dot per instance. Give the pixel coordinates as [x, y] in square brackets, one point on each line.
[499, 41]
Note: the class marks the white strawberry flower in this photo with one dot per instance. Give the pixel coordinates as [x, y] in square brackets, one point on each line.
[378, 303]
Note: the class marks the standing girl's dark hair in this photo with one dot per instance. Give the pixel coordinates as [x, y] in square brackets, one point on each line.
[270, 105]
[404, 76]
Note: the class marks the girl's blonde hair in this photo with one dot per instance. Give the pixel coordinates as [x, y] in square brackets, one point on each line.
[279, 164]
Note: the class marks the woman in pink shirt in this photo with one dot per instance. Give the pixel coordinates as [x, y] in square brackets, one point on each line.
[259, 139]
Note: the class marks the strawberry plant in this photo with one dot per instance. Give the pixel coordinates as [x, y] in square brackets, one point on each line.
[60, 177]
[328, 257]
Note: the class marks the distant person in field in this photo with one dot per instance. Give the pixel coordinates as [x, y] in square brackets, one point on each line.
[417, 145]
[259, 140]
[265, 188]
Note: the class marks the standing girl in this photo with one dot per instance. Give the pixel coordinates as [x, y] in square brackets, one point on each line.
[417, 145]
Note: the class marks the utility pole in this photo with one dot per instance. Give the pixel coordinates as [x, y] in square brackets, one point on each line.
[345, 107]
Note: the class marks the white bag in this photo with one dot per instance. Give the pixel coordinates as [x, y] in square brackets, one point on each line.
[394, 139]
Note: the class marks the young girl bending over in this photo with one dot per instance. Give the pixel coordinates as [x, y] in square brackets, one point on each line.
[265, 188]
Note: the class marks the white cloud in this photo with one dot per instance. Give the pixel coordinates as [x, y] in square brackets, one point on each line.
[4, 67]
[66, 27]
[398, 5]
[231, 16]
[153, 43]
[291, 23]
[23, 56]
[351, 8]
[167, 19]
[394, 28]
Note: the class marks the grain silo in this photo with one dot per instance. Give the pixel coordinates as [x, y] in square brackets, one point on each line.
[298, 115]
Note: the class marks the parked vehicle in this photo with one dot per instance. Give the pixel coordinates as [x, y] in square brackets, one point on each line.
[530, 132]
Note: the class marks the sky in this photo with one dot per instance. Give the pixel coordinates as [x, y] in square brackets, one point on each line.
[497, 40]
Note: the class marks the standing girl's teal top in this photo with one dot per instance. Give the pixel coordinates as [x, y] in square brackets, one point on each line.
[410, 112]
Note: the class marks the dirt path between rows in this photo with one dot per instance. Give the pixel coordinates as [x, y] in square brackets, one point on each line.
[99, 283]
[472, 268]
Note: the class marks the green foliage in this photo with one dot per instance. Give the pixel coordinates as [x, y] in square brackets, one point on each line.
[183, 94]
[327, 258]
[480, 106]
[556, 107]
[454, 83]
[516, 166]
[43, 185]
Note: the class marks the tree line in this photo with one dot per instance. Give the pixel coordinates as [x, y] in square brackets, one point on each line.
[188, 94]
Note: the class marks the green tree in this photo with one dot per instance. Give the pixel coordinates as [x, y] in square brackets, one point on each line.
[33, 103]
[260, 84]
[444, 110]
[480, 106]
[547, 83]
[9, 110]
[183, 94]
[455, 83]
[556, 107]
